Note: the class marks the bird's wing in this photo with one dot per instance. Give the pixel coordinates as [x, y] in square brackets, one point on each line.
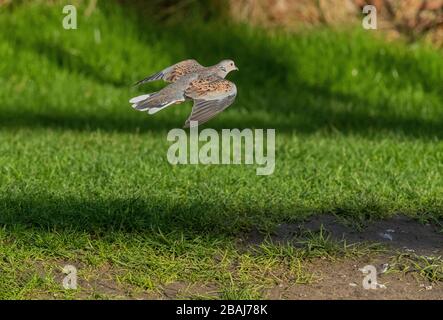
[211, 96]
[174, 72]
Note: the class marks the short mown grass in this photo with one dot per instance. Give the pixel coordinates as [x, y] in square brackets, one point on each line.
[84, 178]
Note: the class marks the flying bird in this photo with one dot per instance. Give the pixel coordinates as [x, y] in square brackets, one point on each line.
[188, 79]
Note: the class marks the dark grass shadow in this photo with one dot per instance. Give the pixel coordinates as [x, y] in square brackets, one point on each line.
[63, 59]
[47, 212]
[134, 215]
[303, 119]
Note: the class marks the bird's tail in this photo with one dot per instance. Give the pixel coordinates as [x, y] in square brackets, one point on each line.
[153, 102]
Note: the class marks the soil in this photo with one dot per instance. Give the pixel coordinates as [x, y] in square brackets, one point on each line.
[399, 232]
[343, 279]
[336, 280]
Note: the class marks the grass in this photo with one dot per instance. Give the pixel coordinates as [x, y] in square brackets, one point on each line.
[424, 267]
[84, 178]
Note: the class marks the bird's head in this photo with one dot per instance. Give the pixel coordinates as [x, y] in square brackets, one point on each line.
[226, 66]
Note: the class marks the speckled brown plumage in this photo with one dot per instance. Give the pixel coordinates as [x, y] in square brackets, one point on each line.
[189, 80]
[208, 85]
[174, 72]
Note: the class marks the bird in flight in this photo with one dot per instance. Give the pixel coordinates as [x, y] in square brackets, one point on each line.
[188, 79]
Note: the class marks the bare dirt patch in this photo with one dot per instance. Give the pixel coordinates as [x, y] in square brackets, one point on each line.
[399, 232]
[337, 279]
[343, 280]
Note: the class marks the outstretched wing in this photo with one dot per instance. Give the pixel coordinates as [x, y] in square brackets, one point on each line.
[211, 96]
[174, 72]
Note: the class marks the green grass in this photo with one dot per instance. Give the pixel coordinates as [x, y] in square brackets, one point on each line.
[84, 178]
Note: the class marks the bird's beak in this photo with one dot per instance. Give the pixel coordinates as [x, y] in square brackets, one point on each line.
[236, 68]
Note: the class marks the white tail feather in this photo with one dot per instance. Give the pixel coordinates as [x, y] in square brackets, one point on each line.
[139, 98]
